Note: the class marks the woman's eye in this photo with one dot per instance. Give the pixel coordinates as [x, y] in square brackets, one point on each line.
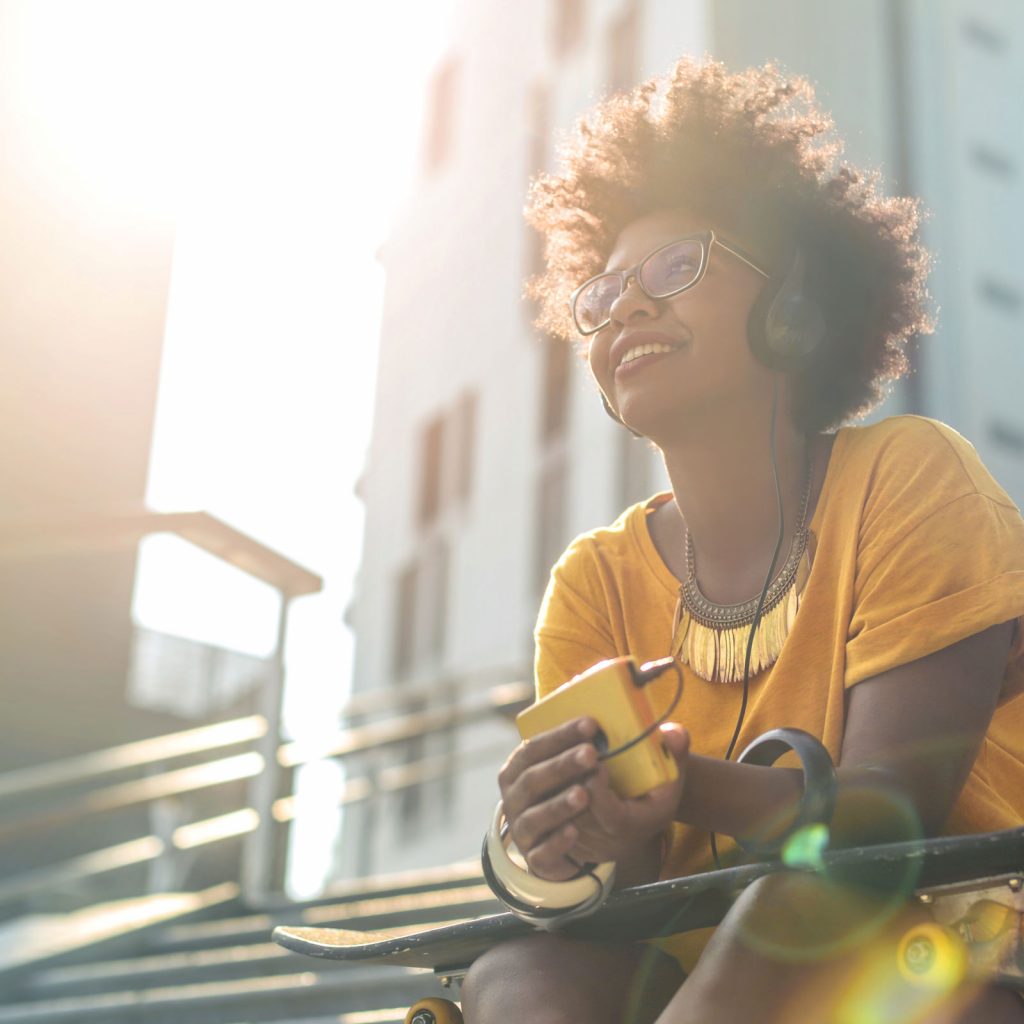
[682, 264]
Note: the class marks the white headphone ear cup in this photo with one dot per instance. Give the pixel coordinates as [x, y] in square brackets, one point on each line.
[540, 893]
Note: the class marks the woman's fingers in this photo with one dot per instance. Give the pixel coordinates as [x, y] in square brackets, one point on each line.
[605, 807]
[538, 782]
[531, 828]
[550, 859]
[559, 802]
[545, 746]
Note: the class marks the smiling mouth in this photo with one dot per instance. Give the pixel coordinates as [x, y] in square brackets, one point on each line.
[654, 348]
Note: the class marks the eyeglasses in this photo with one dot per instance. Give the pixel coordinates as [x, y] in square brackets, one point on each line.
[661, 274]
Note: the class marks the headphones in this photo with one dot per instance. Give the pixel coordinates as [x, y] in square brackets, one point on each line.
[786, 326]
[544, 904]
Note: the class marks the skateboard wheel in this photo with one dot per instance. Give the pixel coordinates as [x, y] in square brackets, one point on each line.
[930, 955]
[434, 1011]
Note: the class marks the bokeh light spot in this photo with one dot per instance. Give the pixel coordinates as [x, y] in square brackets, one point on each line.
[805, 847]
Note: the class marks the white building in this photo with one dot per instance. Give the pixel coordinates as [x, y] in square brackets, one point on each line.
[490, 449]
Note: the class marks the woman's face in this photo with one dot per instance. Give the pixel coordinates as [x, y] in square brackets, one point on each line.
[708, 367]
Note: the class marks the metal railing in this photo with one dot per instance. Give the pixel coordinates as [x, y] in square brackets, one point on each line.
[42, 806]
[113, 529]
[86, 787]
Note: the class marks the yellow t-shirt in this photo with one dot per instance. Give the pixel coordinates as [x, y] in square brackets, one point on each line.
[915, 547]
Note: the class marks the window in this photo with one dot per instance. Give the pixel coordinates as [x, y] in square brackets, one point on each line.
[434, 603]
[405, 623]
[410, 792]
[463, 442]
[1006, 436]
[447, 447]
[624, 48]
[431, 470]
[567, 26]
[441, 114]
[421, 611]
[1000, 293]
[985, 36]
[993, 162]
[446, 463]
[551, 517]
[557, 366]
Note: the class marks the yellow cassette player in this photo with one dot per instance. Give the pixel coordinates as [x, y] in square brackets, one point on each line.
[614, 693]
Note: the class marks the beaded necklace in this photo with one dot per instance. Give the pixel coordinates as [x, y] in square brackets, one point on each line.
[712, 638]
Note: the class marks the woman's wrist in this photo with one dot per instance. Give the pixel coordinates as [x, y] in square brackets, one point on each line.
[642, 867]
[738, 799]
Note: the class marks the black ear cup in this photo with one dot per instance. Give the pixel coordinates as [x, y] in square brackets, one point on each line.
[786, 326]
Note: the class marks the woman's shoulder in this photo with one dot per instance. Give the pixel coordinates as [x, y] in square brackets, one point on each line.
[916, 450]
[626, 538]
[898, 434]
[892, 477]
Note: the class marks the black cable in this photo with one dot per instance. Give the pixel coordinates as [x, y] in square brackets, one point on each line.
[670, 663]
[764, 593]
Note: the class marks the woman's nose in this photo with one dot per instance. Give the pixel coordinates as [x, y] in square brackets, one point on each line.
[632, 302]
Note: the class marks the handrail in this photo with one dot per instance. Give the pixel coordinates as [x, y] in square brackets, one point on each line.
[231, 825]
[378, 734]
[140, 791]
[211, 773]
[83, 767]
[397, 698]
[80, 800]
[30, 537]
[54, 532]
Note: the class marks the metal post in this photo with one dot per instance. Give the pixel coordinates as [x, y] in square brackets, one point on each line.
[258, 854]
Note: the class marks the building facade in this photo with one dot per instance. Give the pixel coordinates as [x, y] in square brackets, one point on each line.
[490, 450]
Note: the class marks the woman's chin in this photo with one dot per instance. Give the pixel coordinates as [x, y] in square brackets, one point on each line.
[652, 423]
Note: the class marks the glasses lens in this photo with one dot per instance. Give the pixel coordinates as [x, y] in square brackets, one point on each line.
[671, 269]
[594, 303]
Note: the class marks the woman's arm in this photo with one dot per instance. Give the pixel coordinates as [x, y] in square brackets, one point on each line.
[912, 732]
[921, 724]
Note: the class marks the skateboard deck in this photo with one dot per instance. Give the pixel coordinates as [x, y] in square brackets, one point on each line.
[673, 906]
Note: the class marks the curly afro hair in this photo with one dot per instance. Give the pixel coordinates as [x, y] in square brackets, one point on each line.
[752, 153]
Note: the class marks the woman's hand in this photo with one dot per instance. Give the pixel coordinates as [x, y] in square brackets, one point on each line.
[560, 805]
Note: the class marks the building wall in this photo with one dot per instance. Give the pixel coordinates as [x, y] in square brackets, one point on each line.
[455, 325]
[82, 301]
[966, 73]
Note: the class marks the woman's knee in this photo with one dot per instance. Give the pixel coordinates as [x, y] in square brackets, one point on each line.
[517, 971]
[549, 979]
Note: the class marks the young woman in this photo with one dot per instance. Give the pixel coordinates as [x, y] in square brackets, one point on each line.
[740, 298]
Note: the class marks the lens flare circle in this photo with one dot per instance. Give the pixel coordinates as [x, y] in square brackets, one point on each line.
[817, 912]
[932, 956]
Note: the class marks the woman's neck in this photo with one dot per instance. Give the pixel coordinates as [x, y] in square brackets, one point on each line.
[724, 491]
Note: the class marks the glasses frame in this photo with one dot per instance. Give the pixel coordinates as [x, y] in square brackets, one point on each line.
[706, 239]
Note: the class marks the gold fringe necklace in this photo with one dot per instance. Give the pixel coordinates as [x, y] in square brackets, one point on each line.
[712, 638]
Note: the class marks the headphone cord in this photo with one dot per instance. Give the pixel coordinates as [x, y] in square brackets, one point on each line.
[764, 593]
[663, 717]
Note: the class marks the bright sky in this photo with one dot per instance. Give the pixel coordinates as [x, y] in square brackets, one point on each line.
[281, 136]
[298, 148]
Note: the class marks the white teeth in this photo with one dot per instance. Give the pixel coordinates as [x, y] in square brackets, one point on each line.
[655, 348]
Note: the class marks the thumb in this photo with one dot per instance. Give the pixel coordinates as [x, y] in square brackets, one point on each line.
[677, 740]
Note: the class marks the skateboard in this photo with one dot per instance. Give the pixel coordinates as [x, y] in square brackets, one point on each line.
[949, 875]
